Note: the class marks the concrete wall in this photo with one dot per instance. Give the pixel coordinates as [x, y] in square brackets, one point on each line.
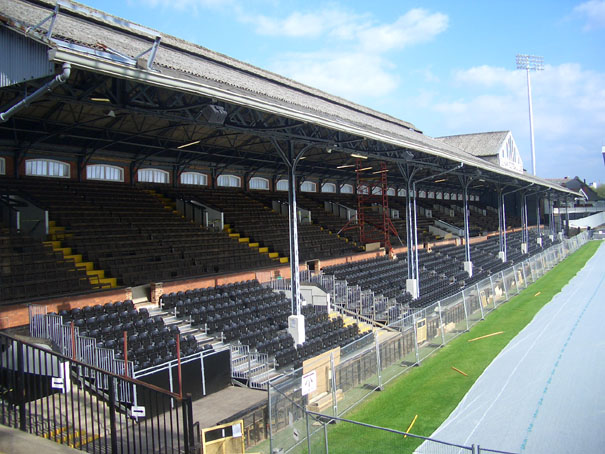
[590, 221]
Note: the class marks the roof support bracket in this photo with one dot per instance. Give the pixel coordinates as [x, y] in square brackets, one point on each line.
[148, 64]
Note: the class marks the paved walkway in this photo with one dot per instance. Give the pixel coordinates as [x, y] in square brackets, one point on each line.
[13, 441]
[545, 392]
[225, 403]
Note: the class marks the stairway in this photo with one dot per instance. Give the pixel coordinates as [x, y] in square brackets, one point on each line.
[96, 277]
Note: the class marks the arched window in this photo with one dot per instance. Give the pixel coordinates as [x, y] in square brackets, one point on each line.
[328, 187]
[377, 190]
[282, 185]
[153, 176]
[308, 186]
[439, 195]
[2, 166]
[104, 172]
[229, 181]
[446, 196]
[401, 193]
[195, 178]
[391, 192]
[422, 194]
[259, 183]
[430, 195]
[46, 168]
[346, 189]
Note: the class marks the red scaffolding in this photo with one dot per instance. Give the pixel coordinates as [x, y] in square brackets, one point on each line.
[373, 215]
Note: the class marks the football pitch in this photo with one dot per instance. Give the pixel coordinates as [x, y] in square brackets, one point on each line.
[428, 394]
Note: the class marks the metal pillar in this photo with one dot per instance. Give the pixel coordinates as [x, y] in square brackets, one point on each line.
[291, 158]
[503, 250]
[415, 250]
[567, 217]
[293, 226]
[538, 214]
[467, 236]
[501, 227]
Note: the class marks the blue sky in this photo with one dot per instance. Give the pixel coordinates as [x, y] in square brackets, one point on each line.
[448, 67]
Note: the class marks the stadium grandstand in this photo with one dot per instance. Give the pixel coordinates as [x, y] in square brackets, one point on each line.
[174, 221]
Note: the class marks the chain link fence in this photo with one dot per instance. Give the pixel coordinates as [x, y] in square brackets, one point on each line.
[354, 372]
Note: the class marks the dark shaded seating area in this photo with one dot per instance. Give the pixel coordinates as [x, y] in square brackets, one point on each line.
[323, 333]
[250, 215]
[253, 315]
[150, 342]
[29, 269]
[130, 234]
[441, 270]
[245, 312]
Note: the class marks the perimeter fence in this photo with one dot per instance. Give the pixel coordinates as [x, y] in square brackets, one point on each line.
[391, 440]
[356, 371]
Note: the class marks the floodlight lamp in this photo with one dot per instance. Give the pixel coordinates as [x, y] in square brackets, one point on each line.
[214, 114]
[360, 156]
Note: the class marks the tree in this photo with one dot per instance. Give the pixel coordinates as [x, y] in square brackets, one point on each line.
[601, 191]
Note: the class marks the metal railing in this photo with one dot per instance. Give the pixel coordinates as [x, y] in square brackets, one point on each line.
[56, 397]
[318, 438]
[253, 367]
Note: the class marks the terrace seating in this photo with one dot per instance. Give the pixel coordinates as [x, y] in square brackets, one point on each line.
[29, 269]
[253, 315]
[131, 235]
[249, 216]
[150, 342]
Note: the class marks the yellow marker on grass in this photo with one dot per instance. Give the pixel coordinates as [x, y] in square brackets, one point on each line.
[411, 425]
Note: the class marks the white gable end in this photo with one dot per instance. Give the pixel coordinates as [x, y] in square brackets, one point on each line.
[508, 155]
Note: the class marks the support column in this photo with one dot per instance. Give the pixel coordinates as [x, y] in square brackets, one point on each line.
[524, 229]
[468, 264]
[502, 216]
[538, 229]
[551, 219]
[567, 217]
[296, 321]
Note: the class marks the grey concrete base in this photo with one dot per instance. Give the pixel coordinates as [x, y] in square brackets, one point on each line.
[226, 403]
[14, 441]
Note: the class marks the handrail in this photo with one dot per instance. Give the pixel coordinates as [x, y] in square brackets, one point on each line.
[134, 381]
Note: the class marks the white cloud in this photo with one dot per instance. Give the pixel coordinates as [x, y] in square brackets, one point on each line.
[568, 104]
[415, 26]
[333, 22]
[350, 75]
[594, 13]
[490, 77]
[186, 5]
[353, 66]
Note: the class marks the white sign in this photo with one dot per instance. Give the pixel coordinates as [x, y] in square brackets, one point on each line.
[137, 411]
[309, 383]
[57, 383]
[236, 430]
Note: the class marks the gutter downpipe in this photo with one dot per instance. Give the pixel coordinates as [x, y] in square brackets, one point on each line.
[46, 88]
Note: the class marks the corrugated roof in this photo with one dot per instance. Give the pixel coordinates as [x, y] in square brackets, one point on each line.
[479, 144]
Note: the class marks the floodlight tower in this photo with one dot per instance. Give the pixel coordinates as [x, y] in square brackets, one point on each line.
[530, 63]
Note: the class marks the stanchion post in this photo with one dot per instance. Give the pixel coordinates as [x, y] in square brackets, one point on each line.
[178, 359]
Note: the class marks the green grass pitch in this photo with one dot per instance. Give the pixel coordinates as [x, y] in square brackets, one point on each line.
[433, 390]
